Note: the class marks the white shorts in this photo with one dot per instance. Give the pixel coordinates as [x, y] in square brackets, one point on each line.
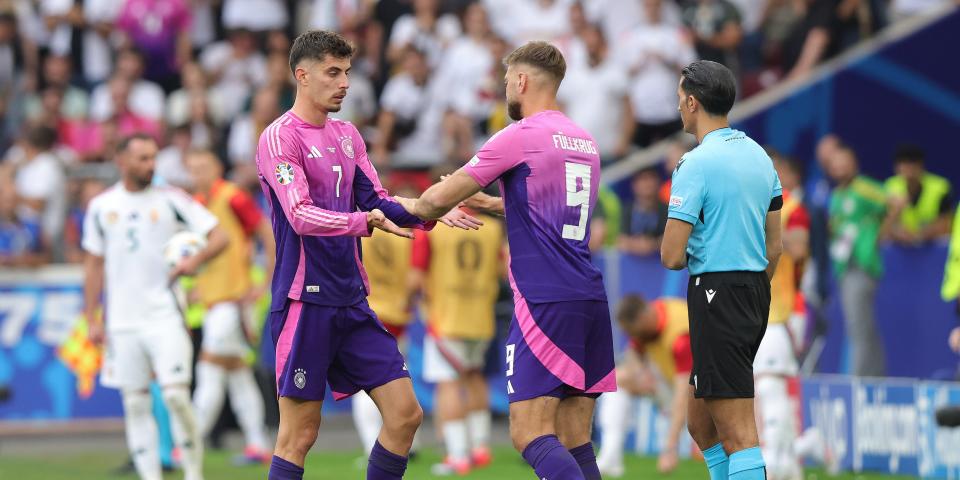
[445, 359]
[775, 356]
[132, 359]
[223, 332]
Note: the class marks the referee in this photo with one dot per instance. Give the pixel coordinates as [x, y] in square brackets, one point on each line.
[724, 225]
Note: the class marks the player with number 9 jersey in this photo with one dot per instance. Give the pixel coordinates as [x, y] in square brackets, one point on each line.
[549, 174]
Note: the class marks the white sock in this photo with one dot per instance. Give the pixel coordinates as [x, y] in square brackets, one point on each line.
[478, 422]
[455, 439]
[778, 432]
[142, 437]
[208, 397]
[367, 418]
[612, 418]
[810, 445]
[248, 407]
[186, 433]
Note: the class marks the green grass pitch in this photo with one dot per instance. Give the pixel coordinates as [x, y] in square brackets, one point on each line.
[327, 466]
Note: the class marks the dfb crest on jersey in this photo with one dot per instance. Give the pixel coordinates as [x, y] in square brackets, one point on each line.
[300, 378]
[347, 146]
[284, 173]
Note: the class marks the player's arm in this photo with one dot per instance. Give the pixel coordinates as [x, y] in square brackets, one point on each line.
[279, 163]
[444, 196]
[92, 292]
[796, 235]
[256, 225]
[94, 245]
[687, 191]
[673, 249]
[772, 229]
[485, 203]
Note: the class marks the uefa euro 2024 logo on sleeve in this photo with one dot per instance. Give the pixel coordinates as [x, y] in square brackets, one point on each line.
[284, 173]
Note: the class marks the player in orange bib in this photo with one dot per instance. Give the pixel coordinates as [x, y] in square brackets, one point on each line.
[657, 363]
[459, 273]
[225, 288]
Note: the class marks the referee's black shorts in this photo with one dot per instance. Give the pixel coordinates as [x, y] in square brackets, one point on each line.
[728, 317]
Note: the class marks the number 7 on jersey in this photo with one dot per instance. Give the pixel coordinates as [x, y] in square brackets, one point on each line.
[578, 195]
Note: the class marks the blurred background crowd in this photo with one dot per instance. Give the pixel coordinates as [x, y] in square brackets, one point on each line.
[426, 85]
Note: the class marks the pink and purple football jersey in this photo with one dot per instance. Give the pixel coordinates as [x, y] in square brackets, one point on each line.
[549, 172]
[319, 183]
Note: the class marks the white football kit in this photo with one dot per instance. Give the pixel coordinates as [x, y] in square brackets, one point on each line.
[145, 331]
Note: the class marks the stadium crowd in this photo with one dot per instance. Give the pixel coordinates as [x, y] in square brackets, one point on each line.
[425, 86]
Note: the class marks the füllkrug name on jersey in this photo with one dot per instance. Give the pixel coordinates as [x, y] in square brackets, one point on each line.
[574, 144]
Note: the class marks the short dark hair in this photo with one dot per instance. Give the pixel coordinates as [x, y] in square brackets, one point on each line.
[908, 153]
[712, 84]
[316, 44]
[41, 137]
[540, 55]
[631, 305]
[127, 140]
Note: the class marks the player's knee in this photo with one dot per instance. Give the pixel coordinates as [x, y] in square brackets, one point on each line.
[137, 404]
[406, 419]
[521, 436]
[177, 399]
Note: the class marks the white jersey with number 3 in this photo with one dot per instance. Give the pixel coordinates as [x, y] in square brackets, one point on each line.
[130, 229]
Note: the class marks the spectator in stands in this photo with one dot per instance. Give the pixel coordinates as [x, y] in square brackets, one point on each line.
[194, 84]
[244, 134]
[537, 20]
[859, 217]
[645, 218]
[827, 27]
[161, 30]
[928, 200]
[40, 183]
[73, 229]
[654, 53]
[595, 95]
[20, 241]
[410, 117]
[235, 68]
[464, 78]
[339, 15]
[146, 99]
[715, 25]
[361, 91]
[125, 119]
[170, 168]
[57, 72]
[817, 191]
[424, 30]
[99, 17]
[255, 15]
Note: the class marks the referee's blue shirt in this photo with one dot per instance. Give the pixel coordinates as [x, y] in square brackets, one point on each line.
[724, 188]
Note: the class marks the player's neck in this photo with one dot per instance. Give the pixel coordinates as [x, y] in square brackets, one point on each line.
[536, 106]
[308, 113]
[133, 187]
[707, 124]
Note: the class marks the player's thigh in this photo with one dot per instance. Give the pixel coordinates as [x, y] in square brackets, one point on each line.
[775, 355]
[306, 340]
[366, 356]
[443, 359]
[532, 418]
[222, 330]
[171, 353]
[126, 363]
[575, 419]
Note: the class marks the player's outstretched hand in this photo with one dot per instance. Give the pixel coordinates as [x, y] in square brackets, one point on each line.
[408, 204]
[95, 331]
[668, 461]
[461, 219]
[376, 219]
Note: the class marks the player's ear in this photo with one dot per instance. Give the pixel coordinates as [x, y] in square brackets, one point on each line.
[522, 80]
[300, 75]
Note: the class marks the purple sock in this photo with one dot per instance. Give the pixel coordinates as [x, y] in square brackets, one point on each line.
[281, 469]
[385, 465]
[587, 460]
[550, 460]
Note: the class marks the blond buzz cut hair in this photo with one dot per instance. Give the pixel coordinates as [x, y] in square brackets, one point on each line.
[542, 56]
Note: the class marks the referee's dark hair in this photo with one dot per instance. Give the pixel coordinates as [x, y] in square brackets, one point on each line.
[712, 84]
